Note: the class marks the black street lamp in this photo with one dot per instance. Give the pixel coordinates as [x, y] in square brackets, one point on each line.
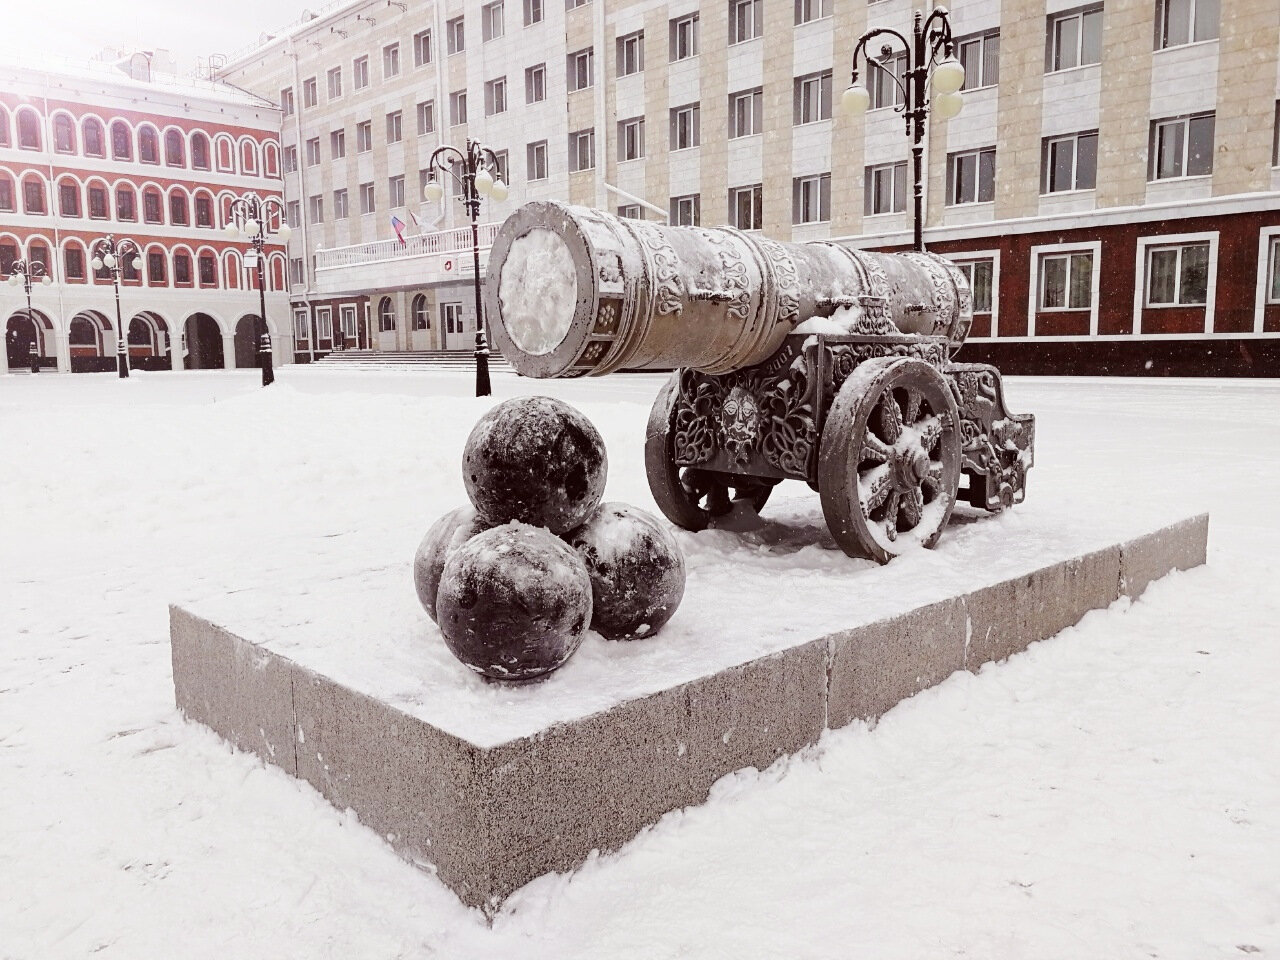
[27, 272]
[477, 162]
[250, 219]
[927, 72]
[109, 253]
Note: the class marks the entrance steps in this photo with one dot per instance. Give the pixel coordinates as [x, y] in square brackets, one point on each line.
[458, 360]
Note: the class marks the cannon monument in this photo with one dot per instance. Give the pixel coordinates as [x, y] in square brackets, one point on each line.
[793, 361]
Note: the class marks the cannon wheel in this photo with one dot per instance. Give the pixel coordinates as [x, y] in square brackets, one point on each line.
[889, 462]
[691, 497]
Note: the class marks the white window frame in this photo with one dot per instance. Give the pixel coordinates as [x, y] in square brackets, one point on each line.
[752, 190]
[1037, 256]
[315, 208]
[535, 82]
[535, 155]
[1268, 252]
[324, 323]
[631, 211]
[581, 74]
[395, 191]
[630, 54]
[1046, 165]
[690, 201]
[422, 51]
[576, 139]
[347, 313]
[746, 21]
[495, 96]
[1140, 281]
[684, 37]
[879, 81]
[451, 319]
[798, 188]
[755, 98]
[805, 97]
[686, 124]
[455, 34]
[313, 152]
[1153, 173]
[364, 136]
[337, 144]
[1162, 40]
[809, 11]
[395, 126]
[426, 116]
[360, 73]
[897, 204]
[301, 327]
[368, 200]
[491, 21]
[974, 256]
[457, 108]
[391, 60]
[953, 161]
[333, 82]
[533, 12]
[1053, 48]
[341, 203]
[631, 144]
[983, 41]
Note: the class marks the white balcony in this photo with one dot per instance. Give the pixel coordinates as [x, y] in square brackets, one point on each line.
[381, 265]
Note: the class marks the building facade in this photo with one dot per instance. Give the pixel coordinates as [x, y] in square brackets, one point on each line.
[1112, 185]
[91, 149]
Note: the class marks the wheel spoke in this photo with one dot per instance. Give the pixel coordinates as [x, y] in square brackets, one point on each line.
[718, 499]
[934, 476]
[873, 487]
[912, 412]
[873, 448]
[913, 506]
[890, 417]
[930, 432]
[891, 515]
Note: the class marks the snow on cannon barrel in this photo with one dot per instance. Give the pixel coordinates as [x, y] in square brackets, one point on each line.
[573, 291]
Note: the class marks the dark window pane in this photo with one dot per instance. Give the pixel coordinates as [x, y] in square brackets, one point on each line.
[1194, 285]
[1087, 161]
[1200, 146]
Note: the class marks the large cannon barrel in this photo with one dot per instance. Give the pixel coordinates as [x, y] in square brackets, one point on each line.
[573, 291]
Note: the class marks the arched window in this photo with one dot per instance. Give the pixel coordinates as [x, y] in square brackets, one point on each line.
[421, 315]
[69, 198]
[64, 134]
[94, 141]
[99, 206]
[28, 130]
[386, 315]
[182, 269]
[33, 196]
[128, 272]
[6, 193]
[270, 159]
[38, 252]
[174, 152]
[277, 273]
[248, 157]
[231, 270]
[73, 263]
[5, 141]
[121, 141]
[178, 209]
[226, 154]
[152, 206]
[157, 272]
[199, 151]
[126, 203]
[208, 265]
[148, 145]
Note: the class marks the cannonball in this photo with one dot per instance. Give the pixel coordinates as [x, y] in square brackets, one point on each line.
[447, 534]
[636, 569]
[514, 602]
[536, 460]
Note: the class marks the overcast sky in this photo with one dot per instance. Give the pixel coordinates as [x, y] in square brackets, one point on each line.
[79, 29]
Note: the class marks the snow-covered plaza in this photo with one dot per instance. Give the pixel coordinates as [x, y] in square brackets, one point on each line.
[1113, 792]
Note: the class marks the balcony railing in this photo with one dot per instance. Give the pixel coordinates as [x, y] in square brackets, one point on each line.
[455, 240]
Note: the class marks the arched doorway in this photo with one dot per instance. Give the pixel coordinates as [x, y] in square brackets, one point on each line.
[20, 332]
[247, 341]
[91, 343]
[203, 340]
[149, 342]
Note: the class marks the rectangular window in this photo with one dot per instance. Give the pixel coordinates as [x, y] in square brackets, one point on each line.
[885, 78]
[97, 203]
[746, 20]
[395, 127]
[1069, 163]
[309, 95]
[685, 126]
[125, 207]
[69, 199]
[458, 107]
[348, 315]
[337, 144]
[315, 209]
[746, 113]
[366, 198]
[684, 37]
[95, 147]
[495, 96]
[360, 72]
[156, 272]
[809, 10]
[204, 211]
[451, 317]
[335, 83]
[980, 274]
[582, 150]
[536, 161]
[73, 263]
[293, 214]
[364, 136]
[491, 21]
[313, 152]
[502, 166]
[1273, 275]
[455, 36]
[208, 268]
[6, 194]
[300, 331]
[395, 191]
[181, 269]
[581, 69]
[746, 207]
[33, 198]
[686, 211]
[811, 100]
[422, 48]
[1182, 147]
[1186, 21]
[151, 211]
[324, 323]
[340, 204]
[1074, 39]
[1178, 275]
[631, 138]
[885, 188]
[178, 209]
[290, 159]
[535, 83]
[574, 4]
[390, 61]
[426, 117]
[980, 57]
[971, 176]
[631, 211]
[811, 199]
[1066, 281]
[532, 12]
[631, 53]
[286, 101]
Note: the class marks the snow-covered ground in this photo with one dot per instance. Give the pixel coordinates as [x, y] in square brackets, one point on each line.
[1114, 792]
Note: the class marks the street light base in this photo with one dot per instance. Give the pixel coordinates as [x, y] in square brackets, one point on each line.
[122, 364]
[265, 360]
[483, 387]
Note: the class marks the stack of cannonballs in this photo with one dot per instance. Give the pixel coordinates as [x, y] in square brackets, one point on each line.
[515, 580]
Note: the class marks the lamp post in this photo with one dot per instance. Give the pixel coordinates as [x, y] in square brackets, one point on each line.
[27, 272]
[932, 68]
[109, 252]
[477, 162]
[249, 219]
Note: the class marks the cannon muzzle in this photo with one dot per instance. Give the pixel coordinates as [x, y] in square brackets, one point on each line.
[573, 291]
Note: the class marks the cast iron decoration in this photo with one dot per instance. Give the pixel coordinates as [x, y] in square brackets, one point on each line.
[117, 256]
[27, 272]
[260, 221]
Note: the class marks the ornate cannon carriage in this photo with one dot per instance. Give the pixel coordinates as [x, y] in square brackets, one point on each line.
[793, 361]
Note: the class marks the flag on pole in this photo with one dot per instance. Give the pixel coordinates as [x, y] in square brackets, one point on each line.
[398, 226]
[415, 222]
